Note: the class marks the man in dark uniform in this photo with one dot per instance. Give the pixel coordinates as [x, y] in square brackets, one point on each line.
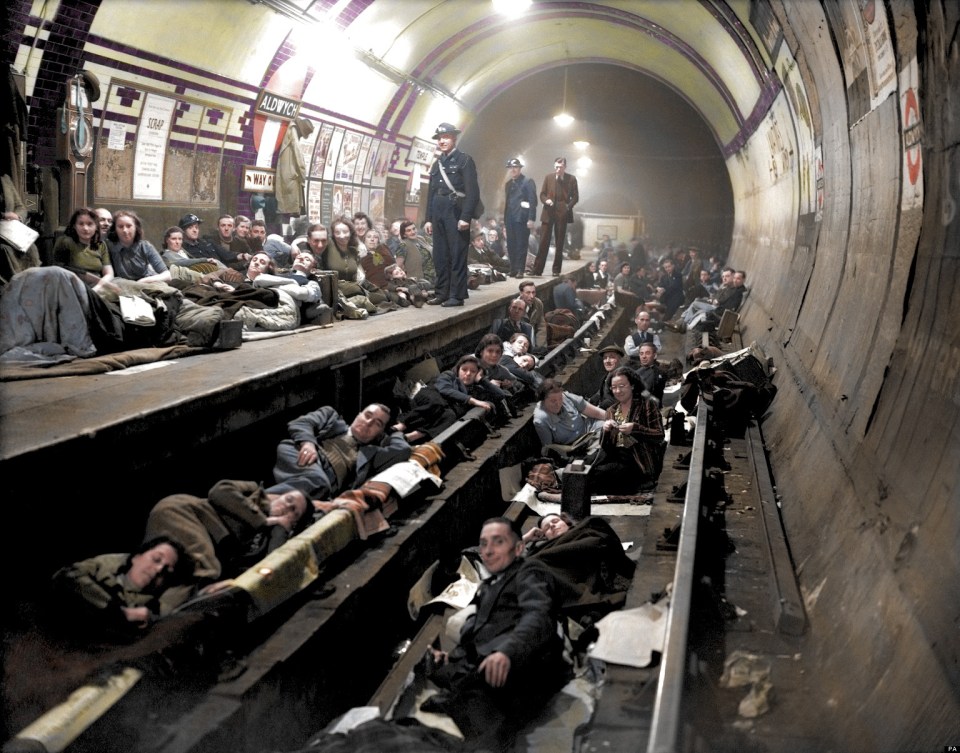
[559, 194]
[519, 214]
[451, 204]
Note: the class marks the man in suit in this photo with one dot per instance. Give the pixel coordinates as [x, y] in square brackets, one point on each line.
[643, 334]
[559, 194]
[451, 204]
[534, 315]
[513, 323]
[650, 371]
[510, 658]
[520, 211]
[324, 455]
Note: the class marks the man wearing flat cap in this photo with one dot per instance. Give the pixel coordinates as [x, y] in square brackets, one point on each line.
[452, 202]
[520, 211]
[200, 248]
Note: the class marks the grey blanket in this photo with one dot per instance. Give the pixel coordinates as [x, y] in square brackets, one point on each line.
[43, 311]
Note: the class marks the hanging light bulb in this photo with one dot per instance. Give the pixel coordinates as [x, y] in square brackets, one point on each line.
[563, 118]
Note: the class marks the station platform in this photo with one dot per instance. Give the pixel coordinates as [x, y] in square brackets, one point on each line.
[93, 453]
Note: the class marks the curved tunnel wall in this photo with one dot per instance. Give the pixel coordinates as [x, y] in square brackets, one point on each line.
[854, 276]
[857, 303]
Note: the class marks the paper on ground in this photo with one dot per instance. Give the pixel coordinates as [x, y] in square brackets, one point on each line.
[631, 636]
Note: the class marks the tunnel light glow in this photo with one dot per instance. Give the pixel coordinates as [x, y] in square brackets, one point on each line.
[511, 8]
[584, 162]
[563, 118]
[581, 145]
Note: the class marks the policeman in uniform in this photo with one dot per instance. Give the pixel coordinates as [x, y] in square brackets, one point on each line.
[521, 210]
[451, 205]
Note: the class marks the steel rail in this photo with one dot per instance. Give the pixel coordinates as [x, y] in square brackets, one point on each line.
[665, 726]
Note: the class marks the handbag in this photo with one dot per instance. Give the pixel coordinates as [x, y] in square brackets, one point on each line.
[478, 210]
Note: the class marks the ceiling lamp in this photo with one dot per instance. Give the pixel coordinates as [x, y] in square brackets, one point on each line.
[511, 8]
[563, 118]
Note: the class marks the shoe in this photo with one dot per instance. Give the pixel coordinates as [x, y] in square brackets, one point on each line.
[452, 302]
[435, 301]
[679, 326]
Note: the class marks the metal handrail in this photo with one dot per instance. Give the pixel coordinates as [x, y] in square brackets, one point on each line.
[665, 726]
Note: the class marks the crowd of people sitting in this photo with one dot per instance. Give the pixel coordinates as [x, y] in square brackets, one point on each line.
[323, 456]
[191, 544]
[108, 288]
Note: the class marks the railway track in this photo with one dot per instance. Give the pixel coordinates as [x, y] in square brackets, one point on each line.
[301, 660]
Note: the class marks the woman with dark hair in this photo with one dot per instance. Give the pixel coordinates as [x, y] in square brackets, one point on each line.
[133, 257]
[438, 405]
[341, 253]
[489, 352]
[587, 559]
[521, 364]
[82, 251]
[121, 592]
[564, 421]
[548, 527]
[631, 449]
[174, 256]
[363, 225]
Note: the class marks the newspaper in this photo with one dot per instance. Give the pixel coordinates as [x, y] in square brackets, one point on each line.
[18, 235]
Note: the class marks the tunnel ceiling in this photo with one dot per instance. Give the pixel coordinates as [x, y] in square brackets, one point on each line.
[705, 51]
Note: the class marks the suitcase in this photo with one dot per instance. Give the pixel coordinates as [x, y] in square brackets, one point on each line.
[329, 286]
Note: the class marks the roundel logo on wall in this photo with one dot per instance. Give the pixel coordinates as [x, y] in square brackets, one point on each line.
[911, 134]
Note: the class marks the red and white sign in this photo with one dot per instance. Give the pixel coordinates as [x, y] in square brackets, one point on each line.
[912, 129]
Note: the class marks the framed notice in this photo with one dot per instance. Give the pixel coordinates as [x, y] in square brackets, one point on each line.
[382, 167]
[362, 175]
[394, 192]
[155, 145]
[422, 152]
[377, 204]
[321, 150]
[349, 154]
[330, 166]
[151, 151]
[315, 201]
[371, 160]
